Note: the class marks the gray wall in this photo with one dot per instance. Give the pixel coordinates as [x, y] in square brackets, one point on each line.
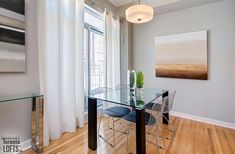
[212, 98]
[126, 43]
[15, 117]
[125, 50]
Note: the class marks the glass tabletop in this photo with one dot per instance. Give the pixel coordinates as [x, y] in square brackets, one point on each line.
[137, 98]
[18, 97]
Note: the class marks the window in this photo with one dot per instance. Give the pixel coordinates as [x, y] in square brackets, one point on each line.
[94, 54]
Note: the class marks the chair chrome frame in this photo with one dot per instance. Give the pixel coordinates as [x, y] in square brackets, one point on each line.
[168, 108]
[121, 86]
[154, 121]
[114, 119]
[99, 91]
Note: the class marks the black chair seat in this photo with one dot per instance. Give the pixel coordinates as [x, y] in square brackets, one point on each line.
[132, 118]
[117, 111]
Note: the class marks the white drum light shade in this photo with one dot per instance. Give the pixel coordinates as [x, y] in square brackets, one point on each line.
[139, 14]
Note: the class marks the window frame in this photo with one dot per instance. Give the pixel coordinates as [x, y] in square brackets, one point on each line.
[91, 28]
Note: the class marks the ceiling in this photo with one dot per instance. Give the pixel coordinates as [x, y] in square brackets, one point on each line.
[118, 3]
[153, 3]
[180, 5]
[177, 4]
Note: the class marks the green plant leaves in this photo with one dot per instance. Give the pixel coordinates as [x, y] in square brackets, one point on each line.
[139, 79]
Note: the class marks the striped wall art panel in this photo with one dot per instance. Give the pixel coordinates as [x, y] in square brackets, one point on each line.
[12, 36]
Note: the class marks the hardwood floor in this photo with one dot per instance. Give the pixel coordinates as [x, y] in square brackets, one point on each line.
[191, 137]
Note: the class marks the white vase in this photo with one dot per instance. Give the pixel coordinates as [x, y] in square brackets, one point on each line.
[139, 93]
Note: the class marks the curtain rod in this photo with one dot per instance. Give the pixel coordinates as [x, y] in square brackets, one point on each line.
[93, 4]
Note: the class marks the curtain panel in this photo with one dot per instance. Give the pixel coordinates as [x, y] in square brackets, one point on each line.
[112, 49]
[60, 39]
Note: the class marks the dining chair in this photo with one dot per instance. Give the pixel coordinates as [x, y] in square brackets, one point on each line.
[167, 109]
[152, 121]
[121, 86]
[114, 112]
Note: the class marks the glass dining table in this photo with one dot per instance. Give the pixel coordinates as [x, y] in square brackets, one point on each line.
[136, 99]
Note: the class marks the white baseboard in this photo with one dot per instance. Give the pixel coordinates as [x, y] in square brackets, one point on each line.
[202, 119]
[26, 145]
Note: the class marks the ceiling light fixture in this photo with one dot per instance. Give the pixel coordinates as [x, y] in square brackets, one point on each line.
[139, 14]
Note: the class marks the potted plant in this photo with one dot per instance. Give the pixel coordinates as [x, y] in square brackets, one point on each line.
[139, 84]
[139, 79]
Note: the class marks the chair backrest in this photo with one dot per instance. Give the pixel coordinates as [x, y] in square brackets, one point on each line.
[169, 102]
[100, 90]
[157, 110]
[121, 86]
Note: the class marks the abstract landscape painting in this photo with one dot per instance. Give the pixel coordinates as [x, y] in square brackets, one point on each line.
[12, 36]
[182, 56]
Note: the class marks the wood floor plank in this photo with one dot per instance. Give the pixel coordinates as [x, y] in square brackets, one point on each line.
[189, 137]
[224, 142]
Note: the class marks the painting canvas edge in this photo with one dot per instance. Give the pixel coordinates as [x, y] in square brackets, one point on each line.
[195, 70]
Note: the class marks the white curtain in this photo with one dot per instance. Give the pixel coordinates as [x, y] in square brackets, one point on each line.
[112, 48]
[60, 26]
